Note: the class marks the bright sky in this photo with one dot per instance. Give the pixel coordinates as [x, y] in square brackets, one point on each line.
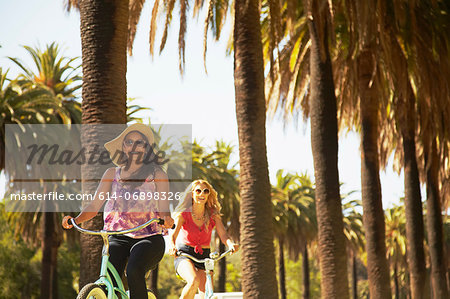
[204, 100]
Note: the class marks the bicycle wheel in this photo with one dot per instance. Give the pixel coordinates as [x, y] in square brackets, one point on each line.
[91, 291]
[150, 295]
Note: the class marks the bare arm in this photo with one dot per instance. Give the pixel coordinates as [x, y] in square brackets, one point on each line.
[172, 241]
[91, 209]
[223, 234]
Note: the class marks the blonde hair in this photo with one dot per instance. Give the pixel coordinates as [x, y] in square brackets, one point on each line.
[212, 207]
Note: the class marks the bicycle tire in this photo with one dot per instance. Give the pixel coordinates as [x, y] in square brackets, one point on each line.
[92, 291]
[150, 295]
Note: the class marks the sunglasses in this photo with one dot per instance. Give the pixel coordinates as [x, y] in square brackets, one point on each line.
[199, 191]
[137, 143]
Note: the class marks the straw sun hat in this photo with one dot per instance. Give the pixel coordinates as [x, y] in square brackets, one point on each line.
[114, 147]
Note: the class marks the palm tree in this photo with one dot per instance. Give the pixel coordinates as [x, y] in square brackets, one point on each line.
[25, 103]
[434, 222]
[104, 35]
[396, 244]
[354, 234]
[368, 88]
[53, 71]
[258, 280]
[332, 248]
[432, 62]
[295, 224]
[57, 75]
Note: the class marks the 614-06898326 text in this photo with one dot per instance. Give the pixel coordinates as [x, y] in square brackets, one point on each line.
[140, 196]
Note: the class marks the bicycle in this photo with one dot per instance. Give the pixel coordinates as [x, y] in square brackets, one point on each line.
[209, 266]
[96, 290]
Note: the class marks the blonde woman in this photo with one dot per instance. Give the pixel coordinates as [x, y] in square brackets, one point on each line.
[196, 216]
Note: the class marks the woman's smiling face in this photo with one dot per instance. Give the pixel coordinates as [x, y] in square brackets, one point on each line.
[200, 193]
[134, 146]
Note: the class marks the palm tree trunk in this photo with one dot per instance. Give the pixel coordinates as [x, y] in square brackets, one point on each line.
[221, 280]
[104, 33]
[281, 269]
[48, 267]
[55, 268]
[354, 277]
[413, 205]
[305, 266]
[397, 291]
[154, 281]
[258, 258]
[373, 215]
[324, 142]
[434, 223]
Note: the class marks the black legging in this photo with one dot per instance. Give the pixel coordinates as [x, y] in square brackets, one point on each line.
[142, 254]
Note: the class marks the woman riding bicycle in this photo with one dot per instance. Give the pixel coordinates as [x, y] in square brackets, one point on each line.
[129, 190]
[196, 216]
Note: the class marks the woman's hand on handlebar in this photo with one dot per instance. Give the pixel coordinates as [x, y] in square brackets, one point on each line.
[172, 250]
[168, 222]
[65, 222]
[231, 245]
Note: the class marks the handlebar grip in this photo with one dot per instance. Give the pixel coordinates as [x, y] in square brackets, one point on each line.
[161, 222]
[69, 222]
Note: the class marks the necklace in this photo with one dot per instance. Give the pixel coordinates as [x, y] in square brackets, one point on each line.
[200, 218]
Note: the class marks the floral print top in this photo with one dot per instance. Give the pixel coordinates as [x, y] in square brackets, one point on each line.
[127, 208]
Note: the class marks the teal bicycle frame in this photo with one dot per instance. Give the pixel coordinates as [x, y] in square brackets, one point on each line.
[107, 267]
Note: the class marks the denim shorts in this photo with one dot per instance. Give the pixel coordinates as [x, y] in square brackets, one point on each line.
[190, 250]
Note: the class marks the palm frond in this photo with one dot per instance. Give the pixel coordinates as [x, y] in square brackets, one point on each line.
[169, 9]
[135, 10]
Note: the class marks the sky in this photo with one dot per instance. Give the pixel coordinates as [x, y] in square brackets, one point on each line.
[204, 100]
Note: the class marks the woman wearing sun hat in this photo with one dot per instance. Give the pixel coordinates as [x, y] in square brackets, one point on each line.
[138, 173]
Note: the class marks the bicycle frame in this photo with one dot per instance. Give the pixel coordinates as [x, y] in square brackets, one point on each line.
[209, 266]
[105, 277]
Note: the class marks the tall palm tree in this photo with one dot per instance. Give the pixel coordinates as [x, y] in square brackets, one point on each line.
[354, 235]
[428, 56]
[25, 103]
[332, 248]
[396, 245]
[258, 280]
[60, 77]
[434, 222]
[404, 103]
[295, 224]
[104, 35]
[368, 86]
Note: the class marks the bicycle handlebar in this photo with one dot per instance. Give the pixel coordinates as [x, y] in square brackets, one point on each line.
[121, 232]
[213, 255]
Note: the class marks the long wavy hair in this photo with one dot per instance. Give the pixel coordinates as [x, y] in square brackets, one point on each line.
[212, 206]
